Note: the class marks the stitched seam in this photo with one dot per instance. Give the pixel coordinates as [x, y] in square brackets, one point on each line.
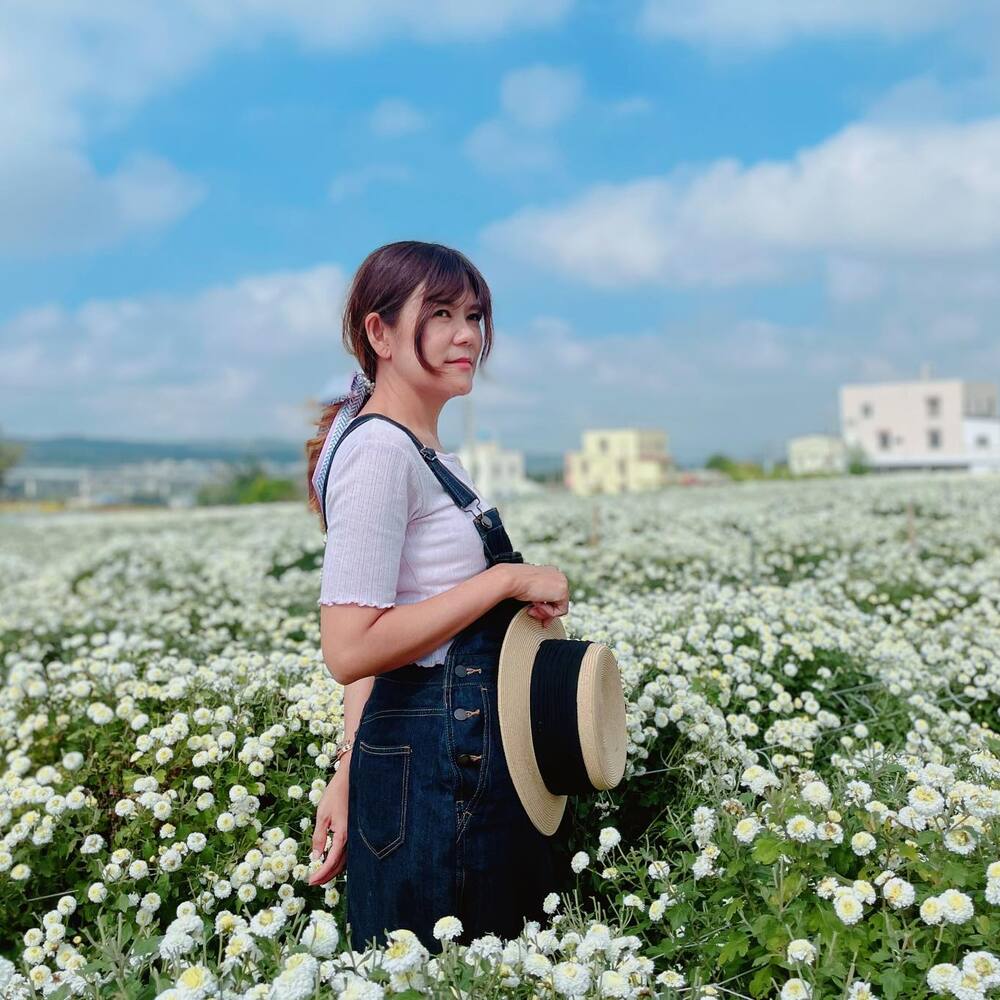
[390, 712]
[484, 761]
[402, 823]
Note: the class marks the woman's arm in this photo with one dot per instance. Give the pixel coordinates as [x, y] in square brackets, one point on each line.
[359, 642]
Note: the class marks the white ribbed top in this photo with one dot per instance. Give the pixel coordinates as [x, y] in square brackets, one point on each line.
[394, 535]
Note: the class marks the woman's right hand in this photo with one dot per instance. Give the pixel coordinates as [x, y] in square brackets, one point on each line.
[331, 816]
[544, 587]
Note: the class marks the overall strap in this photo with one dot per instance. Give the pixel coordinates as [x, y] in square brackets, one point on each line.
[496, 542]
[454, 487]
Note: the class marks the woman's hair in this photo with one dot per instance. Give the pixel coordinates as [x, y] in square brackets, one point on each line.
[382, 284]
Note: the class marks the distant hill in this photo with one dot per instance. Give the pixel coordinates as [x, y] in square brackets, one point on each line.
[96, 452]
[101, 452]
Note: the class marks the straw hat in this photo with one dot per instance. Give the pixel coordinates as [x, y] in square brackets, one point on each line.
[562, 716]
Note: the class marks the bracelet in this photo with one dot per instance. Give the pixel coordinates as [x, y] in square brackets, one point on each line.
[341, 749]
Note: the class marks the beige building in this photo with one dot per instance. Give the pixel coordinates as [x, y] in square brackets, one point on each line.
[497, 472]
[926, 423]
[812, 453]
[624, 460]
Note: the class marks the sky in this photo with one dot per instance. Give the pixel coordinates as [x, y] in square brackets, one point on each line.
[695, 215]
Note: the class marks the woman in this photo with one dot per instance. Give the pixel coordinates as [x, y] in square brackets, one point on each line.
[419, 583]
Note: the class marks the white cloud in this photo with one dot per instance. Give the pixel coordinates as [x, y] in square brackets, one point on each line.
[533, 100]
[903, 192]
[211, 363]
[497, 148]
[355, 182]
[540, 96]
[395, 116]
[738, 24]
[72, 70]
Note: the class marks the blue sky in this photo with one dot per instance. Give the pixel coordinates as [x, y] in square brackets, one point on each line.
[702, 216]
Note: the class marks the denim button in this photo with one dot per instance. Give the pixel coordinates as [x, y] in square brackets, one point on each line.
[460, 713]
[460, 670]
[468, 758]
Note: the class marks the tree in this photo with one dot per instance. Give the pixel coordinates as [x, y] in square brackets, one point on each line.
[249, 484]
[10, 455]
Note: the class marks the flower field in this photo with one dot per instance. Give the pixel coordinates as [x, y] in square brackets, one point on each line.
[811, 807]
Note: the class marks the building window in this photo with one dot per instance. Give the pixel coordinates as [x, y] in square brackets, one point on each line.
[621, 466]
[583, 466]
[934, 407]
[982, 441]
[884, 439]
[933, 438]
[866, 409]
[604, 445]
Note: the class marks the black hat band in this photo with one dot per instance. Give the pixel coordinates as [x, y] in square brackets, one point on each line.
[555, 730]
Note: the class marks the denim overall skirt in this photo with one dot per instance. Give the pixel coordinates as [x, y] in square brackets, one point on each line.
[435, 826]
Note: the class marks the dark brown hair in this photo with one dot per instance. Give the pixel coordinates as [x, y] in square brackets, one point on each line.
[382, 284]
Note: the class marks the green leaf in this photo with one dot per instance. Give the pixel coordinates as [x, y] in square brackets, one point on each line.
[766, 850]
[761, 981]
[736, 945]
[893, 983]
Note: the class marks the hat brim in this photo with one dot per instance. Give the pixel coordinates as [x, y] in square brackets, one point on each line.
[517, 656]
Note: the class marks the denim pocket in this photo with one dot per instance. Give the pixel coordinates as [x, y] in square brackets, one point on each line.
[383, 775]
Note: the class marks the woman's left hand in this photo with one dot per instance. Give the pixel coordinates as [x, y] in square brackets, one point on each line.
[543, 611]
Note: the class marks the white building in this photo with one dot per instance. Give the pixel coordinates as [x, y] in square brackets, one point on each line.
[926, 423]
[497, 472]
[812, 453]
[618, 460]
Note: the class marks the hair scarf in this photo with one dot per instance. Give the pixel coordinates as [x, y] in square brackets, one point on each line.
[359, 388]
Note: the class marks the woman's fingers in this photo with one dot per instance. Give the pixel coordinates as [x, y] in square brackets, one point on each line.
[319, 834]
[333, 864]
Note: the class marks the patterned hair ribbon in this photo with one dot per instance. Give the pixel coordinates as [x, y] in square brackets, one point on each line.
[358, 390]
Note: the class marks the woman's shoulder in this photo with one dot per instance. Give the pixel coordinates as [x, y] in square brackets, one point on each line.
[378, 438]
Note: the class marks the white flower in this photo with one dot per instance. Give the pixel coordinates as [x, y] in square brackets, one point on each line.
[957, 906]
[447, 928]
[816, 793]
[800, 828]
[796, 989]
[848, 907]
[551, 902]
[931, 910]
[863, 843]
[609, 837]
[898, 893]
[579, 861]
[984, 965]
[571, 979]
[925, 800]
[194, 983]
[746, 829]
[266, 923]
[138, 869]
[961, 840]
[658, 870]
[861, 990]
[940, 978]
[758, 779]
[297, 979]
[801, 950]
[92, 844]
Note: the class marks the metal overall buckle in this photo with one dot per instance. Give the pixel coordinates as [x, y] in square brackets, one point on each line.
[480, 516]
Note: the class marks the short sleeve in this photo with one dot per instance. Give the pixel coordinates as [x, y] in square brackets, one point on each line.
[372, 494]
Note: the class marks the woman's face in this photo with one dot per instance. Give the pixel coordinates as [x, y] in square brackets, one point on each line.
[453, 339]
